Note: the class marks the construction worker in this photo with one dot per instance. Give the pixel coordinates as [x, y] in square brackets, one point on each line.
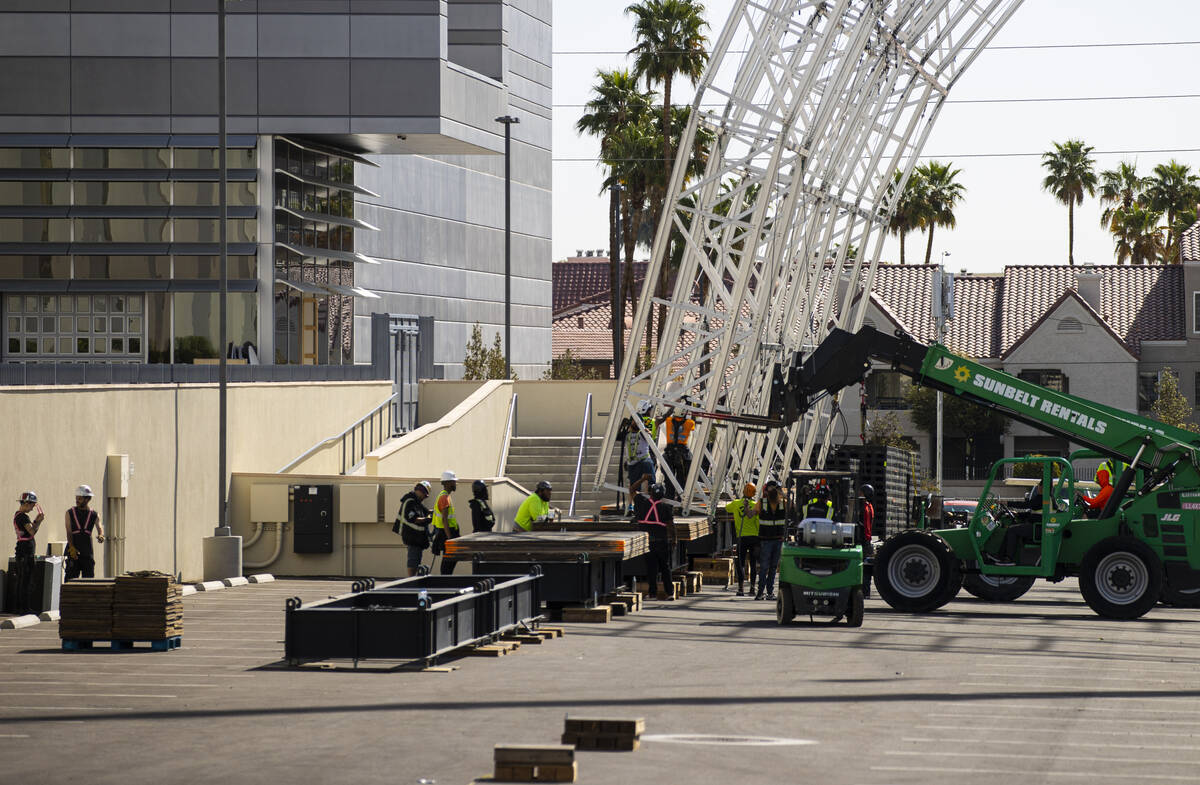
[639, 467]
[820, 505]
[80, 521]
[772, 523]
[1104, 477]
[655, 517]
[745, 528]
[445, 524]
[482, 517]
[868, 517]
[26, 531]
[677, 454]
[536, 507]
[412, 524]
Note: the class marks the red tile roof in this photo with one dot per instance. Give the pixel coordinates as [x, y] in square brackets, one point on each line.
[1189, 241]
[584, 280]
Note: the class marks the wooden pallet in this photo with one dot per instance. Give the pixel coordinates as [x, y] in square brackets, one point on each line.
[602, 743]
[714, 565]
[604, 734]
[619, 608]
[551, 632]
[631, 598]
[533, 754]
[496, 649]
[541, 773]
[164, 644]
[601, 614]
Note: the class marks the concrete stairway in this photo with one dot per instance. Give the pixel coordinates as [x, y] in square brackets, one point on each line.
[534, 458]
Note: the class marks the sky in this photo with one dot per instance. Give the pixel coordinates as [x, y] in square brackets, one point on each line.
[1005, 218]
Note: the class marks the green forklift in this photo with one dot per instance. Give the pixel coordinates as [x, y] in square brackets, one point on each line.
[821, 566]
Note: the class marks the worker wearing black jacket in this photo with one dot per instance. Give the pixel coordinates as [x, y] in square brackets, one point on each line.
[655, 517]
[772, 525]
[412, 522]
[482, 517]
[26, 530]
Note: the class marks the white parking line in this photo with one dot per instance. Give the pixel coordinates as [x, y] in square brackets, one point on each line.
[1186, 676]
[940, 739]
[1029, 668]
[14, 735]
[101, 684]
[93, 672]
[1098, 776]
[1017, 685]
[66, 708]
[1029, 755]
[1052, 729]
[1150, 720]
[1089, 707]
[92, 695]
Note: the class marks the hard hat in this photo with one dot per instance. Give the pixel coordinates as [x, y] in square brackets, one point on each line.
[544, 486]
[657, 491]
[749, 489]
[644, 407]
[478, 487]
[28, 497]
[425, 484]
[771, 483]
[449, 476]
[868, 491]
[84, 490]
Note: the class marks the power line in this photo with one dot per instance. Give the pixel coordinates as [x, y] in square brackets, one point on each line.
[1014, 47]
[1062, 99]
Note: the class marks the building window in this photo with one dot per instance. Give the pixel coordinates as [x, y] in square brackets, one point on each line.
[1070, 325]
[1145, 391]
[885, 390]
[74, 328]
[1050, 378]
[197, 328]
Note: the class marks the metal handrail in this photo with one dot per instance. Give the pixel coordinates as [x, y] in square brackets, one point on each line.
[371, 425]
[584, 433]
[509, 427]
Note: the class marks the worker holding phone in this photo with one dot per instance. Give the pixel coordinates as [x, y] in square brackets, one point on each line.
[26, 531]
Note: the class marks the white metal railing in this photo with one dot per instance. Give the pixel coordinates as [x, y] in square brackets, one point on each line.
[362, 437]
[509, 426]
[584, 433]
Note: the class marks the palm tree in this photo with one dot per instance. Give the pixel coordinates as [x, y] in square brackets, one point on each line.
[1071, 174]
[1172, 189]
[906, 209]
[616, 100]
[1139, 237]
[941, 195]
[1120, 189]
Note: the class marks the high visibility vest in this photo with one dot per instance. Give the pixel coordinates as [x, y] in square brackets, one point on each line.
[22, 534]
[679, 430]
[819, 509]
[772, 521]
[440, 521]
[1114, 469]
[636, 447]
[745, 519]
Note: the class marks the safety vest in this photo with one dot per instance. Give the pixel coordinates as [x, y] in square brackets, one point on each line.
[1114, 468]
[637, 449]
[531, 509]
[819, 509]
[22, 534]
[84, 528]
[772, 521]
[745, 520]
[440, 521]
[679, 430]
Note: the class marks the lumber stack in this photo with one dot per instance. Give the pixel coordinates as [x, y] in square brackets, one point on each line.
[535, 763]
[549, 545]
[686, 529]
[147, 606]
[86, 610]
[715, 572]
[607, 734]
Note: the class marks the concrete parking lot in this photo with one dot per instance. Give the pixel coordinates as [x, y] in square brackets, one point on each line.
[1035, 691]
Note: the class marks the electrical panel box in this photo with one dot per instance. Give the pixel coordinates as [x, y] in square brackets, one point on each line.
[358, 503]
[116, 478]
[268, 503]
[392, 494]
[312, 513]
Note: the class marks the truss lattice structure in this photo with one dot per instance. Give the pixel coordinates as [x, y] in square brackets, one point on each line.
[783, 231]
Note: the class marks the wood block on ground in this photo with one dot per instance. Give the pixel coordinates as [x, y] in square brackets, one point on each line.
[715, 565]
[555, 632]
[680, 591]
[602, 743]
[488, 651]
[619, 608]
[599, 615]
[523, 638]
[612, 726]
[536, 773]
[696, 579]
[632, 598]
[534, 754]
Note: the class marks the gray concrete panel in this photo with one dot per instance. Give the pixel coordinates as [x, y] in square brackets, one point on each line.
[120, 85]
[396, 7]
[195, 35]
[407, 36]
[123, 124]
[487, 60]
[43, 6]
[194, 86]
[41, 124]
[35, 35]
[304, 6]
[120, 35]
[302, 125]
[302, 88]
[117, 6]
[35, 86]
[394, 87]
[300, 35]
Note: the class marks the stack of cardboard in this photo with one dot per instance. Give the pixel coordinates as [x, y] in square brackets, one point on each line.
[147, 606]
[86, 610]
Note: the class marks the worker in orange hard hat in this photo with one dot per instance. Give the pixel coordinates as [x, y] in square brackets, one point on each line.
[745, 528]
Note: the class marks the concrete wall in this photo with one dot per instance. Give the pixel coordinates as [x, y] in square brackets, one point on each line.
[544, 408]
[60, 437]
[359, 549]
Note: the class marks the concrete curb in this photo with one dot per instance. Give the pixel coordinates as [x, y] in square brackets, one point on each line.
[19, 622]
[187, 590]
[210, 586]
[48, 616]
[262, 578]
[238, 581]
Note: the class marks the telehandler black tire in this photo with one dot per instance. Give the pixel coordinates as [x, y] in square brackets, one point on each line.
[785, 606]
[1179, 598]
[1121, 578]
[917, 572]
[997, 588]
[854, 613]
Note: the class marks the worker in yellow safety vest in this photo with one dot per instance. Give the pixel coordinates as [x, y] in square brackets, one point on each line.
[445, 524]
[536, 507]
[745, 528]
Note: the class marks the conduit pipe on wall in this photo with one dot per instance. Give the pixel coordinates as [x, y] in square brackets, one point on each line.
[279, 527]
[258, 533]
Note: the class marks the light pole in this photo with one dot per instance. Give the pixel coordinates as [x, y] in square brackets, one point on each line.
[508, 121]
[222, 529]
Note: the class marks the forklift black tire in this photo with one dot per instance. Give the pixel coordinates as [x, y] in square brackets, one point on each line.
[916, 572]
[854, 613]
[1188, 598]
[1121, 578]
[997, 588]
[785, 606]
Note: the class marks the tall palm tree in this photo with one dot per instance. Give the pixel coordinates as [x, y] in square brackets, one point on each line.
[1139, 237]
[616, 100]
[1072, 173]
[906, 211]
[1120, 188]
[941, 194]
[1172, 189]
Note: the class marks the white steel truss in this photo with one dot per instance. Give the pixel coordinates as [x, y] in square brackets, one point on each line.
[783, 231]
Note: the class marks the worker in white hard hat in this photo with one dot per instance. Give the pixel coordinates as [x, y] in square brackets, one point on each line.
[81, 520]
[412, 524]
[26, 529]
[639, 461]
[445, 524]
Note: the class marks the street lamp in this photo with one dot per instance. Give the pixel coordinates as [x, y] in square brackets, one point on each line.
[222, 529]
[508, 121]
